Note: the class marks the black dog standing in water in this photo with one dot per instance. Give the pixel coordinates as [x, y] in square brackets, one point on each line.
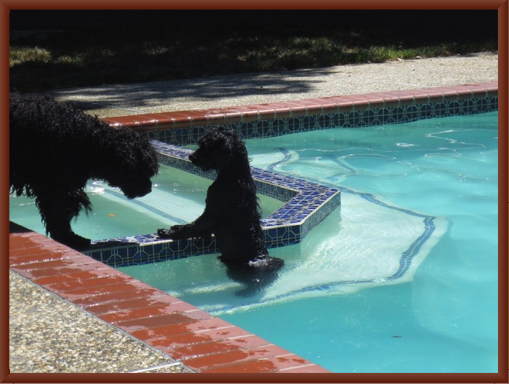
[55, 149]
[232, 212]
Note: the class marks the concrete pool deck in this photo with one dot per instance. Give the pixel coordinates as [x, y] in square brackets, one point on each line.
[39, 350]
[276, 87]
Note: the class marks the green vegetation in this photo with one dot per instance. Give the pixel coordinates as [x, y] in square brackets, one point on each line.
[70, 58]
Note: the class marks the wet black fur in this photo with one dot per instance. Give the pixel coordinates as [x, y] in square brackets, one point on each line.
[232, 212]
[55, 149]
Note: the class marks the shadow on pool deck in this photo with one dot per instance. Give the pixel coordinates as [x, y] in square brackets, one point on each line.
[257, 88]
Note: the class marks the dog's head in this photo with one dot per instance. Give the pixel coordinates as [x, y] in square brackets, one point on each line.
[219, 149]
[133, 162]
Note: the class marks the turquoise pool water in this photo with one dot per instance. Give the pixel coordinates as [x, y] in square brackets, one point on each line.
[401, 278]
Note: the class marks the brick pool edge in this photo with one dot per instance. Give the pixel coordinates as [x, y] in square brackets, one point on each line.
[197, 339]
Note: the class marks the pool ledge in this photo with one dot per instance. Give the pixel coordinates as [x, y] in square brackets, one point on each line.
[306, 205]
[202, 342]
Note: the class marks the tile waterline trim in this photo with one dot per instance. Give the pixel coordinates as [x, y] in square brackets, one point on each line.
[185, 127]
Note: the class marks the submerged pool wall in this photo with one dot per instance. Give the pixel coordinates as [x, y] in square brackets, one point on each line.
[293, 221]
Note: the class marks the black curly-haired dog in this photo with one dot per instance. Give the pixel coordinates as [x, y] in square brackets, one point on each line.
[55, 149]
[232, 212]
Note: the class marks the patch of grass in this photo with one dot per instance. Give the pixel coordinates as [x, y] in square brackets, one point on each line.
[28, 54]
[105, 56]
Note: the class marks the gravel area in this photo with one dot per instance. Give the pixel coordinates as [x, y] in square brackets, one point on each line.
[48, 334]
[256, 88]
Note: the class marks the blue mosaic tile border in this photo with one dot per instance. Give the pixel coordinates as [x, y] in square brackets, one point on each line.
[307, 204]
[348, 119]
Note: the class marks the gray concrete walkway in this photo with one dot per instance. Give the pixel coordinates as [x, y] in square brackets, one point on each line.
[256, 88]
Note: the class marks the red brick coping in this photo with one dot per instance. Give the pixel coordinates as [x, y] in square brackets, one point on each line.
[199, 340]
[308, 107]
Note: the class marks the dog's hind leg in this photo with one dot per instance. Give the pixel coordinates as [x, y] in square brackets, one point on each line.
[57, 212]
[255, 277]
[65, 235]
[267, 263]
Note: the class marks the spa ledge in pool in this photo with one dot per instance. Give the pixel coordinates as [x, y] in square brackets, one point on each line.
[306, 205]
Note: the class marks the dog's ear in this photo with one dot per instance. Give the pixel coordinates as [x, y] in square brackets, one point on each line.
[224, 156]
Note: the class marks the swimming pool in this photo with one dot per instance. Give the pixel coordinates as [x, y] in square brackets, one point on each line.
[402, 278]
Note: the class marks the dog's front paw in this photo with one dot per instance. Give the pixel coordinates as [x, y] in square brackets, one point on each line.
[72, 240]
[175, 232]
[164, 233]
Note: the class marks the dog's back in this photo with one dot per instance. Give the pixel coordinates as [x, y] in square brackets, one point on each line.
[42, 133]
[235, 209]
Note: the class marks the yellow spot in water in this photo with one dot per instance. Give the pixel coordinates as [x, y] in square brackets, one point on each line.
[111, 215]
